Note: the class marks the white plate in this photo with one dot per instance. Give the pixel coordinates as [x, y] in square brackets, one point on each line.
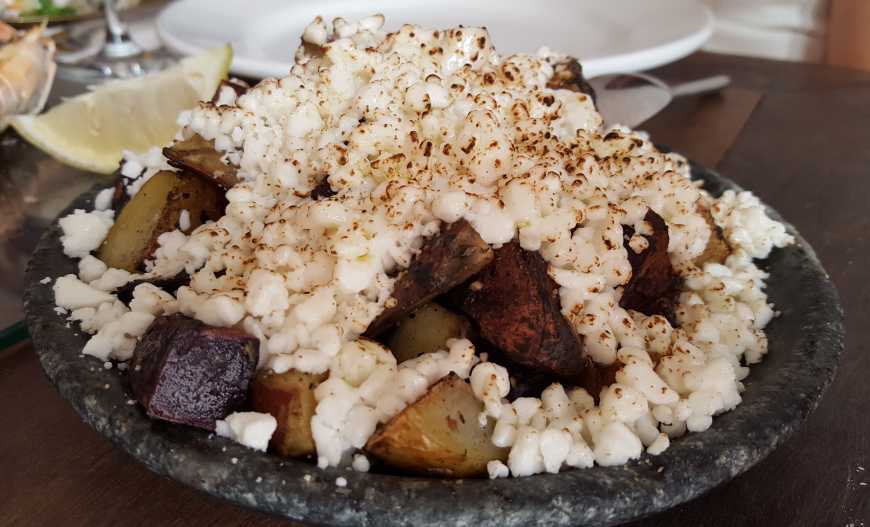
[607, 36]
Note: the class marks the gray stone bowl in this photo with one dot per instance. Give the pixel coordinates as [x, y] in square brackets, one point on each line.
[805, 346]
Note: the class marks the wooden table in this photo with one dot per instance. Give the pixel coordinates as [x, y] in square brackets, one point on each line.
[798, 135]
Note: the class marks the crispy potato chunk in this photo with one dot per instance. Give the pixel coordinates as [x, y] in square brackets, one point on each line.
[187, 372]
[568, 75]
[200, 157]
[426, 330]
[439, 434]
[654, 284]
[156, 209]
[517, 307]
[717, 249]
[289, 398]
[446, 260]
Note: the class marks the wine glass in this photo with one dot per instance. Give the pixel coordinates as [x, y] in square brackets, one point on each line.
[120, 57]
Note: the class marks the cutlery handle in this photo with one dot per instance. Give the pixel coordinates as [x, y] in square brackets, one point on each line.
[705, 85]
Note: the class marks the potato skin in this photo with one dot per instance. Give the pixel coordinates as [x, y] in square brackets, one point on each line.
[517, 308]
[568, 75]
[155, 209]
[654, 284]
[439, 434]
[426, 330]
[187, 372]
[199, 156]
[717, 249]
[446, 260]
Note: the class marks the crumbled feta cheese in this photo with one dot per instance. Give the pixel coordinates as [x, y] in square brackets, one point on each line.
[361, 463]
[252, 429]
[341, 482]
[117, 338]
[45, 281]
[91, 268]
[103, 199]
[496, 469]
[84, 231]
[184, 220]
[72, 293]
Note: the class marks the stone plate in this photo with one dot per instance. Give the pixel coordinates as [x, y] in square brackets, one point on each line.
[805, 346]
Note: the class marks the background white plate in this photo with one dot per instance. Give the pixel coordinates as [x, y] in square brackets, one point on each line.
[607, 36]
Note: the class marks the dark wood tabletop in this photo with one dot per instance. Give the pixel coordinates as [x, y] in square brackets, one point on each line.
[797, 135]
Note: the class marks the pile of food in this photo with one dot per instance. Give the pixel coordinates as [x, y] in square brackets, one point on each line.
[416, 252]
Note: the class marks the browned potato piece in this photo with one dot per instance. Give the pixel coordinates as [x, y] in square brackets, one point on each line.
[446, 260]
[717, 249]
[200, 157]
[568, 75]
[517, 308]
[439, 434]
[426, 330]
[289, 398]
[155, 209]
[654, 284]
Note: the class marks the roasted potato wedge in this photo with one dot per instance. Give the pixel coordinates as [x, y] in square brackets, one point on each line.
[426, 330]
[654, 284]
[717, 249]
[446, 260]
[568, 75]
[199, 156]
[517, 308]
[439, 434]
[156, 209]
[289, 398]
[187, 372]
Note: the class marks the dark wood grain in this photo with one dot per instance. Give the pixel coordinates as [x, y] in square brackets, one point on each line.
[798, 135]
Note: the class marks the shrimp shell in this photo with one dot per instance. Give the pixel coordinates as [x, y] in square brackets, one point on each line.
[27, 70]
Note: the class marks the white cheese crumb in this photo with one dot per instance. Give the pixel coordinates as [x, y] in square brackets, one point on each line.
[340, 482]
[103, 200]
[72, 293]
[184, 220]
[234, 460]
[252, 429]
[45, 281]
[497, 469]
[91, 268]
[658, 446]
[84, 231]
[361, 463]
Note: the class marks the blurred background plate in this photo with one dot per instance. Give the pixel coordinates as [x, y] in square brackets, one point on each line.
[611, 36]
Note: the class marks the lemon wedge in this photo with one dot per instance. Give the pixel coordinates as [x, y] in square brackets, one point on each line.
[89, 131]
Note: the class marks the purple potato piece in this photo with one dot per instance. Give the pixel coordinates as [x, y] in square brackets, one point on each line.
[187, 372]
